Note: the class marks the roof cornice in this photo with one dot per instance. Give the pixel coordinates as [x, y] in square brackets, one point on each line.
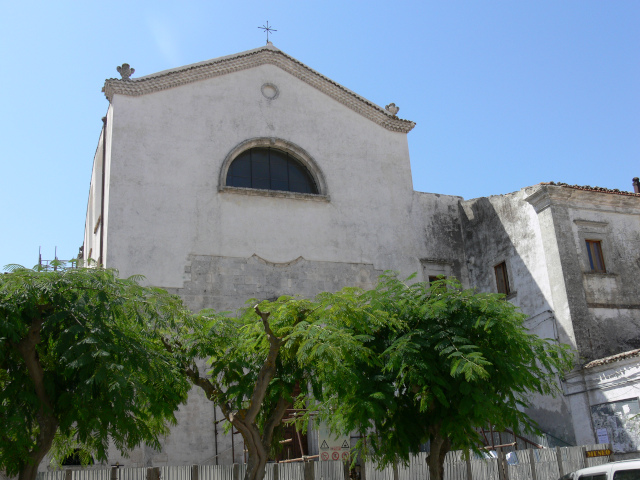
[613, 359]
[587, 188]
[268, 55]
[543, 195]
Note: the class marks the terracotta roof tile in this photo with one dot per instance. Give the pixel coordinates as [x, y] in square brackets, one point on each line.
[613, 358]
[588, 188]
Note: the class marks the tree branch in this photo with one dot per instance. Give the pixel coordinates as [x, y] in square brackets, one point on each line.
[209, 386]
[267, 371]
[274, 420]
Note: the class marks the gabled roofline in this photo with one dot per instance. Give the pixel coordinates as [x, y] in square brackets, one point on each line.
[267, 55]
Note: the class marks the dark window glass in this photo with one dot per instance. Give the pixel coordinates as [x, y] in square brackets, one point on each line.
[270, 169]
[260, 168]
[239, 174]
[297, 179]
[281, 185]
[279, 168]
[502, 279]
[627, 475]
[596, 260]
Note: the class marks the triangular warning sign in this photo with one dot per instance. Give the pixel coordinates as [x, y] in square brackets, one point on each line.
[345, 444]
[324, 445]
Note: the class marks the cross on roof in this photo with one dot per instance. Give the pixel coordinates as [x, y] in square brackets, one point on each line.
[267, 29]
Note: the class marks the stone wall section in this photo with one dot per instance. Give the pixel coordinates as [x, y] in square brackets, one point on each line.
[226, 283]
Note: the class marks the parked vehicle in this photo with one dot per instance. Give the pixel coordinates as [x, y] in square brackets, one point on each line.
[623, 470]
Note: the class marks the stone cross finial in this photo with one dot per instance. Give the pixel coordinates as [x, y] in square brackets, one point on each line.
[125, 71]
[392, 109]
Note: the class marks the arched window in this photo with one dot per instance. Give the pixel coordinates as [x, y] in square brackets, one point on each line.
[268, 168]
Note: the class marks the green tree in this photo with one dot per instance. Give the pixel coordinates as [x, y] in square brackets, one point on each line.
[81, 359]
[446, 362]
[271, 350]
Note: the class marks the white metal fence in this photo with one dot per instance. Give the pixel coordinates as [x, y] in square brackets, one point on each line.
[531, 464]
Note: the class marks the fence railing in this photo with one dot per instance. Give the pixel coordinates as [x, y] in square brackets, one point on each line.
[274, 471]
[530, 464]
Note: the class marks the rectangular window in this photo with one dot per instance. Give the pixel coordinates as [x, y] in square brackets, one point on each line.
[596, 260]
[627, 475]
[432, 282]
[502, 279]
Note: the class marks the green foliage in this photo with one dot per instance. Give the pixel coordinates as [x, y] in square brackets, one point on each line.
[99, 369]
[318, 340]
[66, 446]
[445, 361]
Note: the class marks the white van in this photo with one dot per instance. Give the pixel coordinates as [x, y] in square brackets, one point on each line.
[623, 470]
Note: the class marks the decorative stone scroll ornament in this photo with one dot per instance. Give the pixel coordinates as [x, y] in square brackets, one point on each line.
[125, 71]
[392, 109]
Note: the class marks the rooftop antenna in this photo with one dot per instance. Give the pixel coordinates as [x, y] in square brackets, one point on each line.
[267, 29]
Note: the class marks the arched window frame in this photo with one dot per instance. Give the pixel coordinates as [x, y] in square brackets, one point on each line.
[298, 153]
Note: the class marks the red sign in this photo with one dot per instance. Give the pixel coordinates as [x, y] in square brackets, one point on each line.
[325, 456]
[335, 456]
[345, 455]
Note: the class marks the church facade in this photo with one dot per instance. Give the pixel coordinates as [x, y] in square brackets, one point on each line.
[253, 175]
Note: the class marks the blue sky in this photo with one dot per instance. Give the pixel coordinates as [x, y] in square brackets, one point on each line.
[505, 94]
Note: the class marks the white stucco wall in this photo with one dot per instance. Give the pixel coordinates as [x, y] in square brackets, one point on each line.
[92, 229]
[438, 234]
[506, 228]
[167, 151]
[92, 233]
[167, 219]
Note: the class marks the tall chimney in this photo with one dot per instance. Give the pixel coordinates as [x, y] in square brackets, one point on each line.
[636, 184]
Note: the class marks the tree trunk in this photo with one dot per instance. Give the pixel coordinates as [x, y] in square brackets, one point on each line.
[28, 472]
[256, 465]
[259, 445]
[257, 452]
[47, 422]
[48, 427]
[438, 449]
